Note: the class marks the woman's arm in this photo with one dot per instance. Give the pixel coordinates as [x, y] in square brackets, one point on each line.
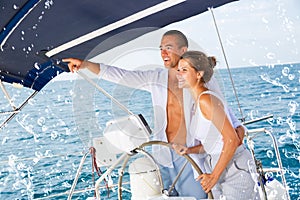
[212, 108]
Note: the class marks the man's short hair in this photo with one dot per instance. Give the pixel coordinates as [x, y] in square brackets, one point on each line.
[182, 40]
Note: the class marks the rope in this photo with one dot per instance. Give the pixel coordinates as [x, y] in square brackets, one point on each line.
[227, 65]
[98, 170]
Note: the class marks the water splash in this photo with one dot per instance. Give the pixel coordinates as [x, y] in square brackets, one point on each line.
[41, 121]
[285, 71]
[37, 66]
[28, 127]
[271, 56]
[279, 121]
[270, 154]
[21, 174]
[291, 138]
[16, 7]
[54, 135]
[253, 114]
[275, 82]
[291, 123]
[291, 77]
[48, 4]
[34, 27]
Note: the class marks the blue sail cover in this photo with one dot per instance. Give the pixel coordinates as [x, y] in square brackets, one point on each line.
[34, 27]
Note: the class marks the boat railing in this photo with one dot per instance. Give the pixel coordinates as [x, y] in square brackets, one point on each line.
[262, 179]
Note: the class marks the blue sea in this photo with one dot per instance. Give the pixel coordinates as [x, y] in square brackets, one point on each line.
[41, 147]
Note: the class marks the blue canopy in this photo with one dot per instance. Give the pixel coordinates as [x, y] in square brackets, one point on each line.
[32, 31]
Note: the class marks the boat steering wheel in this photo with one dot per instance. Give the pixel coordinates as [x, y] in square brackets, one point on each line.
[140, 149]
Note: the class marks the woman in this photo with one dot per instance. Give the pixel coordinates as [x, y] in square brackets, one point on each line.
[228, 162]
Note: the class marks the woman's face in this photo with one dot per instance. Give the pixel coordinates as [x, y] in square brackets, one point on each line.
[187, 76]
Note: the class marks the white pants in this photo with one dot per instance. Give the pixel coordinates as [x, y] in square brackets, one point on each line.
[236, 182]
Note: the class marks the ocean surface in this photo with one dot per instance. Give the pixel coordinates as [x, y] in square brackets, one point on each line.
[41, 147]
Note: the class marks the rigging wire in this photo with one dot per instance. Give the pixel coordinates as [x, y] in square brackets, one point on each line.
[124, 108]
[227, 65]
[7, 96]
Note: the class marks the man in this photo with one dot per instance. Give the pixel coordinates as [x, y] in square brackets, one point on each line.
[170, 123]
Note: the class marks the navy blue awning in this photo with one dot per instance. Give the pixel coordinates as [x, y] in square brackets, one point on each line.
[31, 27]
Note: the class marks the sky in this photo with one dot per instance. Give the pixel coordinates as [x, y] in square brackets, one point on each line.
[253, 33]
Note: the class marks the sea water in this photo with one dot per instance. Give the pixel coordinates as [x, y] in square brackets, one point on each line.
[41, 147]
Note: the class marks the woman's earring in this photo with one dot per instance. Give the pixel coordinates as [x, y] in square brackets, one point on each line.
[200, 76]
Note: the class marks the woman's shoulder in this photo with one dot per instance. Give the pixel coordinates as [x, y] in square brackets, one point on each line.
[208, 96]
[207, 101]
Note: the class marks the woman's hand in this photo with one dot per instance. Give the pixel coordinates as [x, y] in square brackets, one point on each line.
[207, 181]
[180, 149]
[240, 131]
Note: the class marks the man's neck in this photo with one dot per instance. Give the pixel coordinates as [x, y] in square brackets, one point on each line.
[172, 80]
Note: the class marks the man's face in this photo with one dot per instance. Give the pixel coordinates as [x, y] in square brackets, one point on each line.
[170, 51]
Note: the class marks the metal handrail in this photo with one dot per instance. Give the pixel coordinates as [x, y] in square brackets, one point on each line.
[258, 163]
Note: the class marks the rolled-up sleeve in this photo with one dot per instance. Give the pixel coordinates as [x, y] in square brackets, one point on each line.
[135, 79]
